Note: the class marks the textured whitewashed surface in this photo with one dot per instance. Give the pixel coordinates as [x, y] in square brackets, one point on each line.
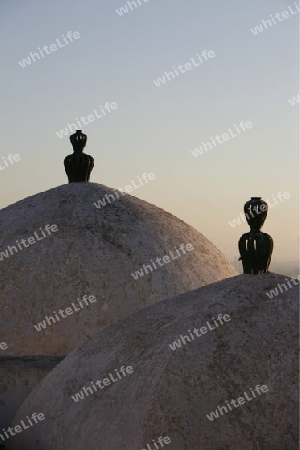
[93, 252]
[15, 384]
[18, 377]
[170, 393]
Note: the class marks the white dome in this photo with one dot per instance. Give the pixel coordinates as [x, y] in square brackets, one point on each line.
[93, 252]
[171, 392]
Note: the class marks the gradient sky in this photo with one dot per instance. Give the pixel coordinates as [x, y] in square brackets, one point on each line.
[154, 129]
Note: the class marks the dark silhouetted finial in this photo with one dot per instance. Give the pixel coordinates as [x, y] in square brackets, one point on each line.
[255, 247]
[78, 166]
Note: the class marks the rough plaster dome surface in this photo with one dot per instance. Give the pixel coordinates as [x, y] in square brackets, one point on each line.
[170, 393]
[93, 252]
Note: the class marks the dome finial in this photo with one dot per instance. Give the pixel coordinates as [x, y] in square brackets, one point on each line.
[78, 166]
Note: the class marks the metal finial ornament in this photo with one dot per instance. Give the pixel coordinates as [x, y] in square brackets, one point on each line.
[255, 247]
[78, 166]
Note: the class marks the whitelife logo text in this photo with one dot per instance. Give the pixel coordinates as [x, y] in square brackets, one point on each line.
[260, 209]
[23, 426]
[274, 292]
[63, 313]
[10, 250]
[3, 346]
[187, 66]
[109, 106]
[9, 160]
[238, 402]
[102, 384]
[53, 47]
[294, 100]
[200, 331]
[115, 196]
[265, 24]
[124, 9]
[244, 126]
[162, 260]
